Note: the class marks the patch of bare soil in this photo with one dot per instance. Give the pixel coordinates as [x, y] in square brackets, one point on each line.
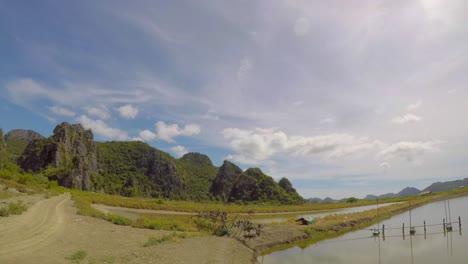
[50, 231]
[275, 235]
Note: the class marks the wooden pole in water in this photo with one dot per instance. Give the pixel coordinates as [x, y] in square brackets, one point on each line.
[450, 216]
[444, 224]
[403, 229]
[383, 229]
[410, 213]
[378, 222]
[424, 226]
[459, 222]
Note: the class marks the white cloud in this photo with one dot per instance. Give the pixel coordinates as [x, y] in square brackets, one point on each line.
[100, 112]
[327, 120]
[51, 119]
[245, 67]
[452, 91]
[168, 132]
[297, 103]
[128, 111]
[302, 26]
[414, 106]
[102, 129]
[257, 145]
[408, 118]
[385, 166]
[62, 111]
[147, 135]
[179, 151]
[24, 90]
[410, 151]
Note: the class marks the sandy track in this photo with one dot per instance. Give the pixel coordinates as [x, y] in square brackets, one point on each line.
[50, 231]
[35, 229]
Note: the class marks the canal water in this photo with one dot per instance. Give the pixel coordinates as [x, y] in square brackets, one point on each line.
[279, 218]
[433, 246]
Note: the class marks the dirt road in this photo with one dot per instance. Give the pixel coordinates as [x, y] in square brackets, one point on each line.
[50, 231]
[35, 229]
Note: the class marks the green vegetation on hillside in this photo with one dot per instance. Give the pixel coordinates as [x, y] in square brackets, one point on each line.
[135, 169]
[233, 185]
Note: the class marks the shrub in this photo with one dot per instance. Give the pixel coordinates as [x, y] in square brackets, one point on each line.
[16, 208]
[4, 211]
[79, 255]
[158, 240]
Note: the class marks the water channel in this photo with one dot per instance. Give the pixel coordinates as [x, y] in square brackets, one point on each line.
[433, 246]
[284, 217]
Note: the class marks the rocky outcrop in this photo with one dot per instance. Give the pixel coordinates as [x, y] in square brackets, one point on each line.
[198, 173]
[233, 185]
[23, 134]
[2, 141]
[68, 156]
[224, 181]
[197, 159]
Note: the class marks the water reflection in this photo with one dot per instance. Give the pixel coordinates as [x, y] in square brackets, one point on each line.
[348, 210]
[430, 244]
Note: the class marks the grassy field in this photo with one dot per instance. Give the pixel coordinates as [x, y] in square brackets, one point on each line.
[189, 206]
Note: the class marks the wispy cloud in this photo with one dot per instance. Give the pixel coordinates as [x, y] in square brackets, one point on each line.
[408, 118]
[100, 112]
[414, 106]
[410, 151]
[245, 67]
[62, 111]
[302, 26]
[258, 145]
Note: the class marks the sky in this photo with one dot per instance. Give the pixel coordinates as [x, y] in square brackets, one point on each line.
[344, 98]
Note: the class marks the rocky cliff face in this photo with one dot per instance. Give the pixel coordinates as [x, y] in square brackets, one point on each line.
[197, 159]
[224, 180]
[68, 156]
[232, 184]
[198, 173]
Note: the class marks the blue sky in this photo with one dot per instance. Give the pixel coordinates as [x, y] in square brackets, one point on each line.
[345, 98]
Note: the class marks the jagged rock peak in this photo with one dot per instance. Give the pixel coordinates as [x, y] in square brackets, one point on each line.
[64, 129]
[69, 156]
[197, 158]
[286, 185]
[254, 171]
[23, 134]
[224, 180]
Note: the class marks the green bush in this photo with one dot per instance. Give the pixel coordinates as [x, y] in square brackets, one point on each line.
[4, 211]
[16, 208]
[157, 240]
[79, 255]
[13, 208]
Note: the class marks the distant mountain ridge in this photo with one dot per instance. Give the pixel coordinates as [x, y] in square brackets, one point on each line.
[18, 139]
[405, 192]
[446, 186]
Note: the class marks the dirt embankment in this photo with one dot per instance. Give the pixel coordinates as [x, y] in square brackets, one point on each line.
[273, 236]
[50, 231]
